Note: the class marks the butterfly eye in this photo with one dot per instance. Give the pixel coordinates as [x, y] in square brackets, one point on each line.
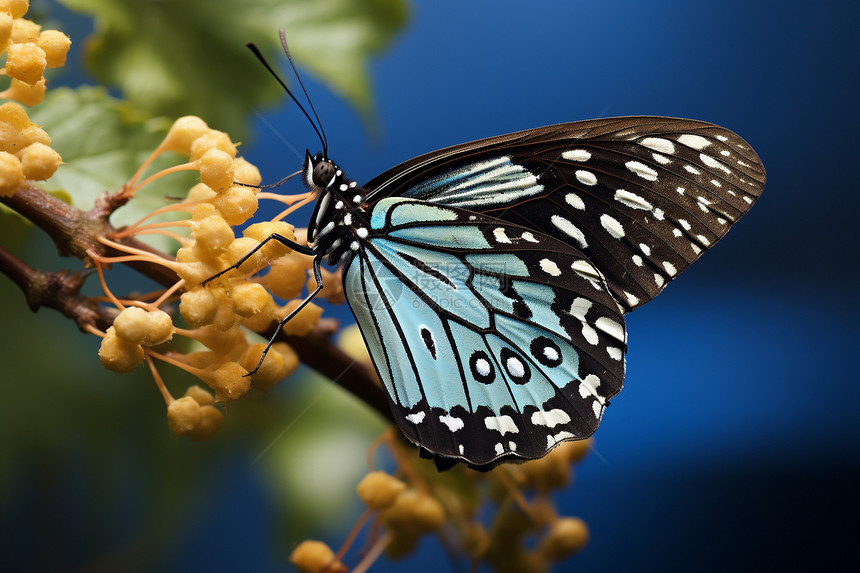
[323, 174]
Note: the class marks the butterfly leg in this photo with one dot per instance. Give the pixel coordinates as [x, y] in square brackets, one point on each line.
[286, 319]
[302, 249]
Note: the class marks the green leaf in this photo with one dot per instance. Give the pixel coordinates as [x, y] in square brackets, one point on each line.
[179, 58]
[103, 141]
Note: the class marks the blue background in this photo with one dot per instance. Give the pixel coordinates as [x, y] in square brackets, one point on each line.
[734, 445]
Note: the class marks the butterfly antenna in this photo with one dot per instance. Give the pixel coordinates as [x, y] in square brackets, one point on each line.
[307, 97]
[256, 52]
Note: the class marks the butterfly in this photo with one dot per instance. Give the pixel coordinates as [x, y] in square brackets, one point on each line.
[490, 279]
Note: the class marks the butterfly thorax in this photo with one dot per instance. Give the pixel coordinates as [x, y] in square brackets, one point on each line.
[337, 225]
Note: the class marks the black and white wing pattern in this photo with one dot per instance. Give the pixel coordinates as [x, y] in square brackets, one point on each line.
[641, 197]
[493, 341]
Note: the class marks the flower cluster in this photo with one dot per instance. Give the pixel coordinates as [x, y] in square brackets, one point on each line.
[29, 51]
[25, 148]
[505, 518]
[223, 301]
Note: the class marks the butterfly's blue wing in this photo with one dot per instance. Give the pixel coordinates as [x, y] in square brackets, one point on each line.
[641, 197]
[492, 340]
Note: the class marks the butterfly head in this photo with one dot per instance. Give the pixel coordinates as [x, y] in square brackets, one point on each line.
[319, 172]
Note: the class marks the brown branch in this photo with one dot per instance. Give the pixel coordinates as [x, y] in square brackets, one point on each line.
[75, 231]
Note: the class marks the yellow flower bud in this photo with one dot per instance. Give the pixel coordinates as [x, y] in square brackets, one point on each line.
[241, 247]
[201, 192]
[566, 535]
[204, 210]
[378, 490]
[11, 174]
[183, 415]
[224, 342]
[195, 272]
[6, 20]
[138, 326]
[15, 8]
[118, 355]
[246, 173]
[198, 306]
[230, 381]
[56, 45]
[280, 362]
[316, 557]
[211, 139]
[200, 395]
[216, 169]
[262, 231]
[39, 161]
[286, 276]
[236, 204]
[24, 30]
[34, 134]
[212, 236]
[302, 323]
[250, 298]
[26, 62]
[415, 511]
[15, 115]
[183, 133]
[27, 94]
[210, 420]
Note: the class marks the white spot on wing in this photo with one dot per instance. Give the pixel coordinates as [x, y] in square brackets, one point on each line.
[576, 155]
[612, 226]
[550, 267]
[694, 141]
[515, 367]
[578, 309]
[670, 268]
[614, 352]
[586, 177]
[631, 299]
[452, 422]
[500, 236]
[482, 367]
[583, 268]
[588, 387]
[574, 201]
[610, 327]
[632, 200]
[551, 418]
[641, 170]
[416, 418]
[501, 424]
[570, 230]
[659, 144]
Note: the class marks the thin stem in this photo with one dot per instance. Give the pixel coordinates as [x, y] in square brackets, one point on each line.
[374, 553]
[289, 210]
[97, 261]
[131, 190]
[167, 293]
[353, 533]
[165, 393]
[162, 147]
